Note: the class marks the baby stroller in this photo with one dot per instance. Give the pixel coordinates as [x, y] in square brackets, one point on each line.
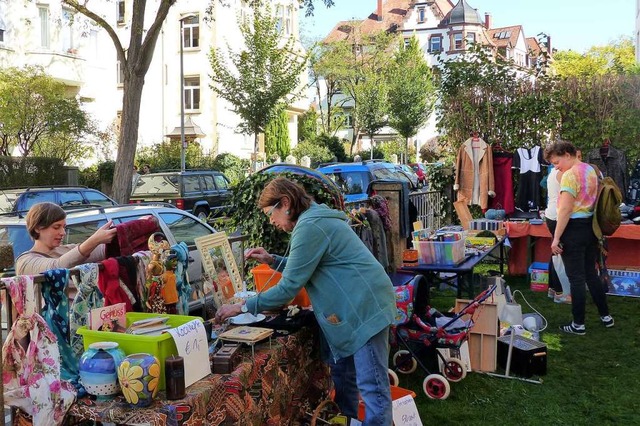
[420, 330]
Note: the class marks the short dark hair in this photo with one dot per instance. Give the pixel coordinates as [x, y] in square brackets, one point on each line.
[560, 148]
[282, 187]
[43, 215]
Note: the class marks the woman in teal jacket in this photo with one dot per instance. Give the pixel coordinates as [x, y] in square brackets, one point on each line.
[351, 294]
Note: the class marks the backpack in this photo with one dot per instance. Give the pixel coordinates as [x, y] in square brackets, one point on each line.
[606, 212]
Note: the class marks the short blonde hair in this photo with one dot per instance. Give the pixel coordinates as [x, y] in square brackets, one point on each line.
[43, 215]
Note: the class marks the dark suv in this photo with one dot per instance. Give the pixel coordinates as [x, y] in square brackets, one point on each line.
[204, 193]
[21, 199]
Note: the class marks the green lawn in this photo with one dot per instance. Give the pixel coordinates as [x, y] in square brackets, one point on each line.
[591, 379]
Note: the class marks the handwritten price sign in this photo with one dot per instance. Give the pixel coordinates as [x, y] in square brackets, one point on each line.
[191, 341]
[405, 412]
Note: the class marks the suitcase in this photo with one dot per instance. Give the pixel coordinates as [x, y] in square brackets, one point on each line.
[528, 357]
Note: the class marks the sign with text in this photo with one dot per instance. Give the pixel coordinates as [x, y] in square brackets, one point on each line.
[405, 412]
[191, 341]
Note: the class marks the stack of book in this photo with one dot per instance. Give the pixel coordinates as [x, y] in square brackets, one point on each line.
[149, 326]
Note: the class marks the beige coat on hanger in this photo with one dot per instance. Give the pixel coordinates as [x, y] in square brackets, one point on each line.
[474, 173]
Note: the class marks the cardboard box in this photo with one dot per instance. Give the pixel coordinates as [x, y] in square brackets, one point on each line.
[624, 283]
[539, 276]
[226, 359]
[528, 356]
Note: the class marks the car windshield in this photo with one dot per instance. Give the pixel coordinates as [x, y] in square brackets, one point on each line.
[157, 184]
[350, 182]
[6, 202]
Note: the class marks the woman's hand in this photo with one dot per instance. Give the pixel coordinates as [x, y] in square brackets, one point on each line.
[556, 246]
[259, 254]
[103, 235]
[228, 311]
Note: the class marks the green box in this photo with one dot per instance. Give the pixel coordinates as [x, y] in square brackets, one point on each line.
[161, 346]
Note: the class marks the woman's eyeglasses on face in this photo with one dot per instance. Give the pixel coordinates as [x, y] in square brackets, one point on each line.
[270, 211]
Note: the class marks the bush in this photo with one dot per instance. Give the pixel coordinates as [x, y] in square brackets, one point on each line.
[232, 166]
[334, 145]
[31, 171]
[318, 154]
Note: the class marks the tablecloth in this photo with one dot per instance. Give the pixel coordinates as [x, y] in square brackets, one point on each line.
[273, 388]
[623, 246]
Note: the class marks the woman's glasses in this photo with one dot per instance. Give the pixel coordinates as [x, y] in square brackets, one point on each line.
[270, 211]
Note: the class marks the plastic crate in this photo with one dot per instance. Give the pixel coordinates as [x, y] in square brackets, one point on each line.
[160, 346]
[440, 252]
[539, 276]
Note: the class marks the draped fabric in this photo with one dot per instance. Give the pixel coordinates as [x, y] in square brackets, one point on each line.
[109, 285]
[31, 374]
[127, 271]
[143, 257]
[132, 236]
[88, 297]
[182, 283]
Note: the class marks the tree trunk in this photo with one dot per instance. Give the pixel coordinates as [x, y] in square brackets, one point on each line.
[128, 141]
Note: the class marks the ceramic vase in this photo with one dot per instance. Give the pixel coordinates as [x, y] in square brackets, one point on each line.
[139, 376]
[98, 369]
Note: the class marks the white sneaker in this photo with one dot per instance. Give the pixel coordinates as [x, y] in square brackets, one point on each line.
[607, 321]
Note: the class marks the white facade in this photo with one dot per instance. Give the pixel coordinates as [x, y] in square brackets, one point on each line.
[88, 63]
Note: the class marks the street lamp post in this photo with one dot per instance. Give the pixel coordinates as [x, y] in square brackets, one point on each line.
[183, 142]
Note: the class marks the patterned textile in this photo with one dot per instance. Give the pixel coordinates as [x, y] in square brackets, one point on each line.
[182, 283]
[144, 257]
[132, 236]
[109, 285]
[88, 297]
[31, 375]
[273, 388]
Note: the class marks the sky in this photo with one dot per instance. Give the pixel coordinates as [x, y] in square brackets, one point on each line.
[572, 24]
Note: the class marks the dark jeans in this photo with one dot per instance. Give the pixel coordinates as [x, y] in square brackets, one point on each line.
[554, 281]
[579, 254]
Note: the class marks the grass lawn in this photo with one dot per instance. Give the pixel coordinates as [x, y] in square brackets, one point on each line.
[591, 379]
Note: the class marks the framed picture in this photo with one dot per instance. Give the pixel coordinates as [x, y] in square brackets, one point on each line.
[219, 266]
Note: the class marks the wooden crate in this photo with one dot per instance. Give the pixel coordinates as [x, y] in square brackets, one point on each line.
[483, 336]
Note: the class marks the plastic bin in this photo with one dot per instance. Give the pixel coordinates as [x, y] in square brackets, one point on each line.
[160, 346]
[396, 393]
[265, 278]
[539, 276]
[440, 252]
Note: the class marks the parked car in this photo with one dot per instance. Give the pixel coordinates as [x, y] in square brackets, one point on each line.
[204, 193]
[175, 224]
[21, 199]
[353, 179]
[421, 171]
[410, 174]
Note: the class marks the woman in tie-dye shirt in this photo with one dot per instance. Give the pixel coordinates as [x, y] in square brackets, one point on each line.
[573, 237]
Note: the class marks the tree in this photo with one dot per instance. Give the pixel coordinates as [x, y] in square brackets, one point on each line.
[411, 91]
[276, 135]
[371, 110]
[615, 58]
[308, 125]
[36, 112]
[260, 76]
[134, 63]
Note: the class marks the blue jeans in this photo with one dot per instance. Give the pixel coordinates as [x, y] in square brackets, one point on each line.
[365, 372]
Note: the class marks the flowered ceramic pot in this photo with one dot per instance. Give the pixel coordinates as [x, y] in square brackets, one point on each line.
[98, 368]
[139, 375]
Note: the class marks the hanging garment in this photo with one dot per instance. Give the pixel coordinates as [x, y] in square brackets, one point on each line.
[633, 192]
[182, 281]
[502, 173]
[613, 164]
[379, 237]
[132, 236]
[110, 286]
[528, 161]
[128, 273]
[87, 297]
[474, 178]
[31, 377]
[144, 257]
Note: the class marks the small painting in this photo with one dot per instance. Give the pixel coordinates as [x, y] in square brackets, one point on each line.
[219, 266]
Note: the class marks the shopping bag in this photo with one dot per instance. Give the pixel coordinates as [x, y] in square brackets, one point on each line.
[558, 265]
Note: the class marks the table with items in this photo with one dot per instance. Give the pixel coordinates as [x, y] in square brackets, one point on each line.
[532, 243]
[275, 384]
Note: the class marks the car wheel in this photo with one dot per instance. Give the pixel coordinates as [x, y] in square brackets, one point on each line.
[201, 213]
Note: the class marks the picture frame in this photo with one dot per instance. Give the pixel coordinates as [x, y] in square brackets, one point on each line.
[219, 265]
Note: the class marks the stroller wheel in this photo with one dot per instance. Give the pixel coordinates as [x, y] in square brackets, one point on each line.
[454, 370]
[404, 362]
[436, 387]
[394, 380]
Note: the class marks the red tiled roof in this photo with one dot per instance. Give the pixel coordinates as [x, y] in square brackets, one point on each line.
[393, 16]
[533, 46]
[504, 42]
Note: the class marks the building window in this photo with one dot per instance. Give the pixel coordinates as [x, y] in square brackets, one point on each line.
[287, 22]
[120, 11]
[457, 41]
[435, 44]
[44, 27]
[421, 15]
[191, 32]
[119, 74]
[406, 42]
[192, 93]
[66, 32]
[470, 39]
[3, 27]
